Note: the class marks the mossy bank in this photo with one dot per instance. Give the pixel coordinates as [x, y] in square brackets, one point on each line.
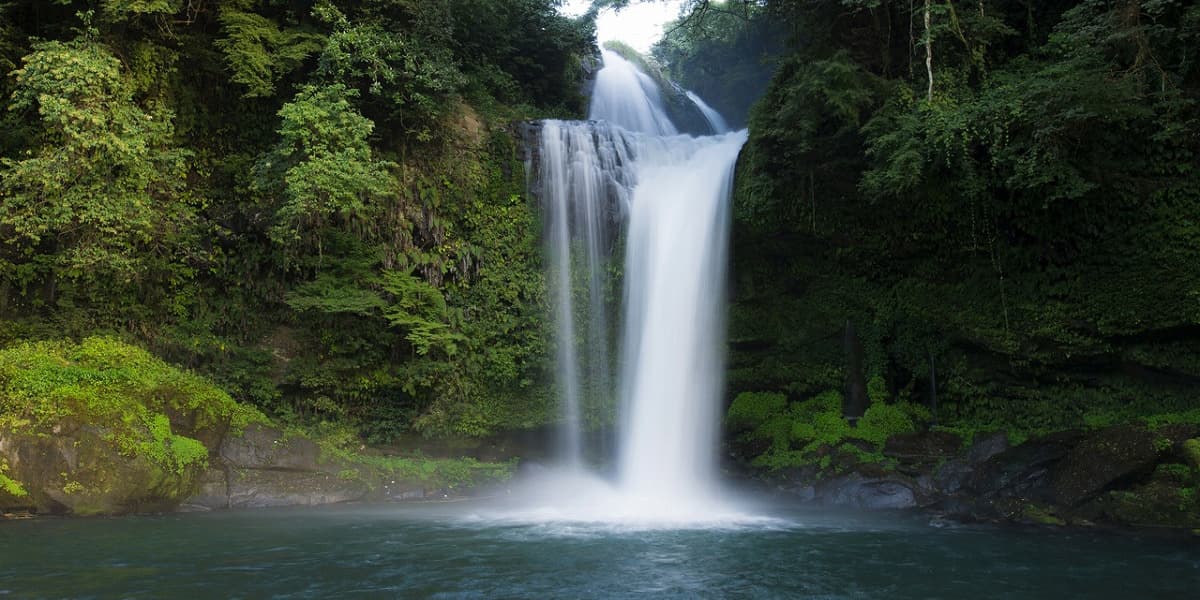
[102, 427]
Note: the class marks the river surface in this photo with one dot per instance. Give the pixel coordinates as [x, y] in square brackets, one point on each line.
[463, 551]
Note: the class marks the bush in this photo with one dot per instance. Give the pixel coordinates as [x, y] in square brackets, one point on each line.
[807, 432]
[750, 410]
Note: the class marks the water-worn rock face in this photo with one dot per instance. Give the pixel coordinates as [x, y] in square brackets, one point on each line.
[1125, 475]
[264, 468]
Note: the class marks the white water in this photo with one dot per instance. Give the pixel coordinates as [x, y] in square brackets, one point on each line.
[585, 175]
[628, 98]
[714, 118]
[629, 170]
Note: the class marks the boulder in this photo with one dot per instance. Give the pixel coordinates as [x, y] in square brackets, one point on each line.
[1021, 471]
[952, 475]
[986, 446]
[1103, 459]
[1157, 503]
[79, 471]
[861, 491]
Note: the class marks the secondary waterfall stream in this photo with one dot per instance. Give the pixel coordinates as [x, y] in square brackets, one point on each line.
[626, 180]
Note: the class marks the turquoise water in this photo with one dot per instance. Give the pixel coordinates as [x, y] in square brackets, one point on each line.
[458, 551]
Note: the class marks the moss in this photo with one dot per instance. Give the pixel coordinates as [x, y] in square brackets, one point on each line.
[1039, 515]
[1160, 503]
[8, 485]
[1174, 472]
[130, 421]
[339, 444]
[1191, 452]
[750, 410]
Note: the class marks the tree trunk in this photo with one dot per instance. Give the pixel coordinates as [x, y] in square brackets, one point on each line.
[928, 53]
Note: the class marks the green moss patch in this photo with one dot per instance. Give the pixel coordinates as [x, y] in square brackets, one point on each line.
[98, 425]
[775, 434]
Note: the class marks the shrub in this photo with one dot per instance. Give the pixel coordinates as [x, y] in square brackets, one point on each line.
[750, 410]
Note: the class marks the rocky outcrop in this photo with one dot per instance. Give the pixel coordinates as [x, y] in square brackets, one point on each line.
[78, 470]
[1125, 475]
[263, 468]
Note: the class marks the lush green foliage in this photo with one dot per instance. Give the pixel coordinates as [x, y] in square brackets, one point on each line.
[340, 444]
[813, 431]
[122, 389]
[1021, 241]
[314, 203]
[8, 485]
[725, 52]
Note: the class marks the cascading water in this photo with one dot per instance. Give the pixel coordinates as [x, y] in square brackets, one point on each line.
[584, 177]
[628, 98]
[714, 118]
[627, 175]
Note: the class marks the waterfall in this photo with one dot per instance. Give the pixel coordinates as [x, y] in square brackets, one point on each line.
[627, 175]
[585, 174]
[628, 98]
[714, 118]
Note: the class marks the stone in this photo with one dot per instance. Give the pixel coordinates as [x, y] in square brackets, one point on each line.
[986, 446]
[1022, 470]
[874, 493]
[952, 475]
[1102, 460]
[262, 447]
[78, 471]
[261, 488]
[212, 493]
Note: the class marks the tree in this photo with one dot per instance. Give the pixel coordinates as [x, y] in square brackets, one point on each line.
[323, 168]
[97, 195]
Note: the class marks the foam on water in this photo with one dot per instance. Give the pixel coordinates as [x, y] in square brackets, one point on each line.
[574, 502]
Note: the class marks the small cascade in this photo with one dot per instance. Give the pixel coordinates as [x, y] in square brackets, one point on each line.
[628, 98]
[714, 118]
[627, 180]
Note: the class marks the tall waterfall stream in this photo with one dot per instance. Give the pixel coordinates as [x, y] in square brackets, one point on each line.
[627, 181]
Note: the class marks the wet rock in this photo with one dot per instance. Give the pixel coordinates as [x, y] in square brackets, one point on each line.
[1022, 470]
[262, 447]
[1159, 503]
[986, 446]
[258, 488]
[1102, 460]
[212, 493]
[860, 491]
[952, 475]
[79, 471]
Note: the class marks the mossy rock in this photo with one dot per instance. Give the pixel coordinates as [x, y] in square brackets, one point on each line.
[1191, 453]
[102, 427]
[1032, 513]
[78, 471]
[1159, 503]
